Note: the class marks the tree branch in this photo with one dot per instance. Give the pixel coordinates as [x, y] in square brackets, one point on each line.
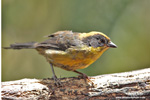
[127, 85]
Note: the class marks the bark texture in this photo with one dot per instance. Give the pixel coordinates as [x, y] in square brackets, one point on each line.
[127, 85]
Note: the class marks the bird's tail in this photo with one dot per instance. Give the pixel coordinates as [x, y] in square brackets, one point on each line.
[29, 45]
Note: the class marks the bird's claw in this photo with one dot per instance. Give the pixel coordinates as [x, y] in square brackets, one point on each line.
[57, 81]
[86, 79]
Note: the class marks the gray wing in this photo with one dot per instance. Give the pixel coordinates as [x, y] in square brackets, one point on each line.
[61, 40]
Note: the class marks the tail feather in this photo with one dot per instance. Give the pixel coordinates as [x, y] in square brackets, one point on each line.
[29, 45]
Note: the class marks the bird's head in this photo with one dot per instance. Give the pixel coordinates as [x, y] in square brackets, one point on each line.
[97, 39]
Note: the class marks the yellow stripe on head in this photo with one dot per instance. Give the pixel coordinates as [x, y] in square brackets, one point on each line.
[84, 35]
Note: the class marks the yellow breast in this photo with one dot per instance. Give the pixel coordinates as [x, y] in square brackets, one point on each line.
[74, 58]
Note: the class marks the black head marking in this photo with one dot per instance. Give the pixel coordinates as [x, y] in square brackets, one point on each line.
[96, 40]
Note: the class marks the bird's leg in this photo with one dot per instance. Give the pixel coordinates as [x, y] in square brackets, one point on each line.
[85, 77]
[57, 81]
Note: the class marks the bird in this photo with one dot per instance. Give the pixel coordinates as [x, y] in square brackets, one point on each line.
[70, 50]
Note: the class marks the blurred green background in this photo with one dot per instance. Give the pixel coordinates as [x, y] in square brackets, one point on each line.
[126, 22]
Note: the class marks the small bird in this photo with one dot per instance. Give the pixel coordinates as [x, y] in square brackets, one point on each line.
[70, 50]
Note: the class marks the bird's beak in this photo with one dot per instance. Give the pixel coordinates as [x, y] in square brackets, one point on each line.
[111, 45]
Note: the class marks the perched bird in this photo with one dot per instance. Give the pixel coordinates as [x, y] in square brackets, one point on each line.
[70, 50]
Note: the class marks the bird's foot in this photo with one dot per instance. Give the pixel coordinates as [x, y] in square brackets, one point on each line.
[85, 77]
[57, 81]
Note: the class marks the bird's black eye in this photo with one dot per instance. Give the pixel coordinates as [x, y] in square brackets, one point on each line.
[102, 41]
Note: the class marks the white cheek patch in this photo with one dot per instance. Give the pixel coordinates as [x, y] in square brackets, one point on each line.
[54, 52]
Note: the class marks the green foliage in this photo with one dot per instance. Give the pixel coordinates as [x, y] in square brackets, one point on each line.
[126, 22]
